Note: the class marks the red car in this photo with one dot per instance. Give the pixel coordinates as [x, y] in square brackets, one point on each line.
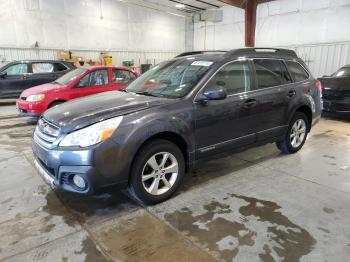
[80, 82]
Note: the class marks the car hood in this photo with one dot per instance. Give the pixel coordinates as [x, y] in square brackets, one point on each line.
[85, 111]
[335, 83]
[41, 89]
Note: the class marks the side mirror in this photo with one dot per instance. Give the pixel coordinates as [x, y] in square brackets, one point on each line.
[3, 74]
[215, 93]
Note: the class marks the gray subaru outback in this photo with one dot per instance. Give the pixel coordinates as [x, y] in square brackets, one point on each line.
[195, 107]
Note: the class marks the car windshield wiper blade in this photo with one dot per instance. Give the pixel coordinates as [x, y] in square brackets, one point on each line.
[145, 93]
[122, 90]
[57, 83]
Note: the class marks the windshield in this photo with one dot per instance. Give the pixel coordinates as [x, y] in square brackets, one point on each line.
[342, 72]
[173, 79]
[70, 76]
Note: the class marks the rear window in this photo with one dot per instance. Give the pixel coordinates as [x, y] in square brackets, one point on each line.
[297, 71]
[270, 72]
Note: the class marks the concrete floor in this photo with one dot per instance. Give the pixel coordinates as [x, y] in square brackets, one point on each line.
[258, 205]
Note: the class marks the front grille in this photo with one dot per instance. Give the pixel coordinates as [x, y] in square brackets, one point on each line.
[46, 133]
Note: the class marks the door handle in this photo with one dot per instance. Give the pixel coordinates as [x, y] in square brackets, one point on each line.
[291, 93]
[250, 103]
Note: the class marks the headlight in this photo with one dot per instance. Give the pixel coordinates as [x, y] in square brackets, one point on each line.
[35, 98]
[93, 134]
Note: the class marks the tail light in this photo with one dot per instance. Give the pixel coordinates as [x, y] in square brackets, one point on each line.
[318, 85]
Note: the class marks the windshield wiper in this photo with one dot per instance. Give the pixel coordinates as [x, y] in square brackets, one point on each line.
[57, 83]
[145, 93]
[122, 90]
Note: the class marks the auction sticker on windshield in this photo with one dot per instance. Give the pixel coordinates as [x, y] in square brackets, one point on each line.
[202, 63]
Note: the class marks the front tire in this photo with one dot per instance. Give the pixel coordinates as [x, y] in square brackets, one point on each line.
[296, 134]
[157, 171]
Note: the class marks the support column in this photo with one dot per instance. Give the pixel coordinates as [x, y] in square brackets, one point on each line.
[250, 22]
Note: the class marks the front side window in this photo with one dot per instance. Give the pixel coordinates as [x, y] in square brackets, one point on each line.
[17, 69]
[269, 73]
[297, 71]
[95, 78]
[234, 77]
[342, 72]
[122, 76]
[172, 79]
[42, 68]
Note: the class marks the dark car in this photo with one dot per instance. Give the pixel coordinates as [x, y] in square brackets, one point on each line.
[190, 109]
[336, 92]
[20, 75]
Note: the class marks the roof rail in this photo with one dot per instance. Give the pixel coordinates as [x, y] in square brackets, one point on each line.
[258, 51]
[199, 52]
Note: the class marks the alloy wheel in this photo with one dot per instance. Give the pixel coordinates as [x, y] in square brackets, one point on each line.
[298, 133]
[159, 173]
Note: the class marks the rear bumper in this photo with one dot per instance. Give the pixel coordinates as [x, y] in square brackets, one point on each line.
[30, 108]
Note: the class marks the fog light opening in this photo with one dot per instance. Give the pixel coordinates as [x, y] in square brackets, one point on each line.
[79, 182]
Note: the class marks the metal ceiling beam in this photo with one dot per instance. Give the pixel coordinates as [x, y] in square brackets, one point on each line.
[236, 3]
[188, 5]
[206, 3]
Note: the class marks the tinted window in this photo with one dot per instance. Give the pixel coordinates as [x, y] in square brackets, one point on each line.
[297, 71]
[60, 67]
[17, 69]
[42, 68]
[95, 78]
[342, 72]
[122, 76]
[234, 77]
[269, 73]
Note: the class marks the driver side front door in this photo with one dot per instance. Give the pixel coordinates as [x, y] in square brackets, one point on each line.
[222, 125]
[15, 81]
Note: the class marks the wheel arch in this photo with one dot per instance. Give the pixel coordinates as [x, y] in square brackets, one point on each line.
[56, 101]
[308, 112]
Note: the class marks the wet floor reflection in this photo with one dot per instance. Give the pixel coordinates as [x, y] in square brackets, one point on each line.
[224, 235]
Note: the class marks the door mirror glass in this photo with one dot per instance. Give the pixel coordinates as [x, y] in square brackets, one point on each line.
[215, 93]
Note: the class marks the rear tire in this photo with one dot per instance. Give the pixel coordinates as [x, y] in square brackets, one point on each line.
[296, 134]
[157, 171]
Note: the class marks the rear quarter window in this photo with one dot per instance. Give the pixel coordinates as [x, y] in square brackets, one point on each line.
[297, 72]
[60, 67]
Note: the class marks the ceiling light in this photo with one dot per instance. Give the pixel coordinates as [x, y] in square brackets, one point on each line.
[180, 6]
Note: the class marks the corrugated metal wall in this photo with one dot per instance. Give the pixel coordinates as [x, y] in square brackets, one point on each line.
[139, 57]
[324, 59]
